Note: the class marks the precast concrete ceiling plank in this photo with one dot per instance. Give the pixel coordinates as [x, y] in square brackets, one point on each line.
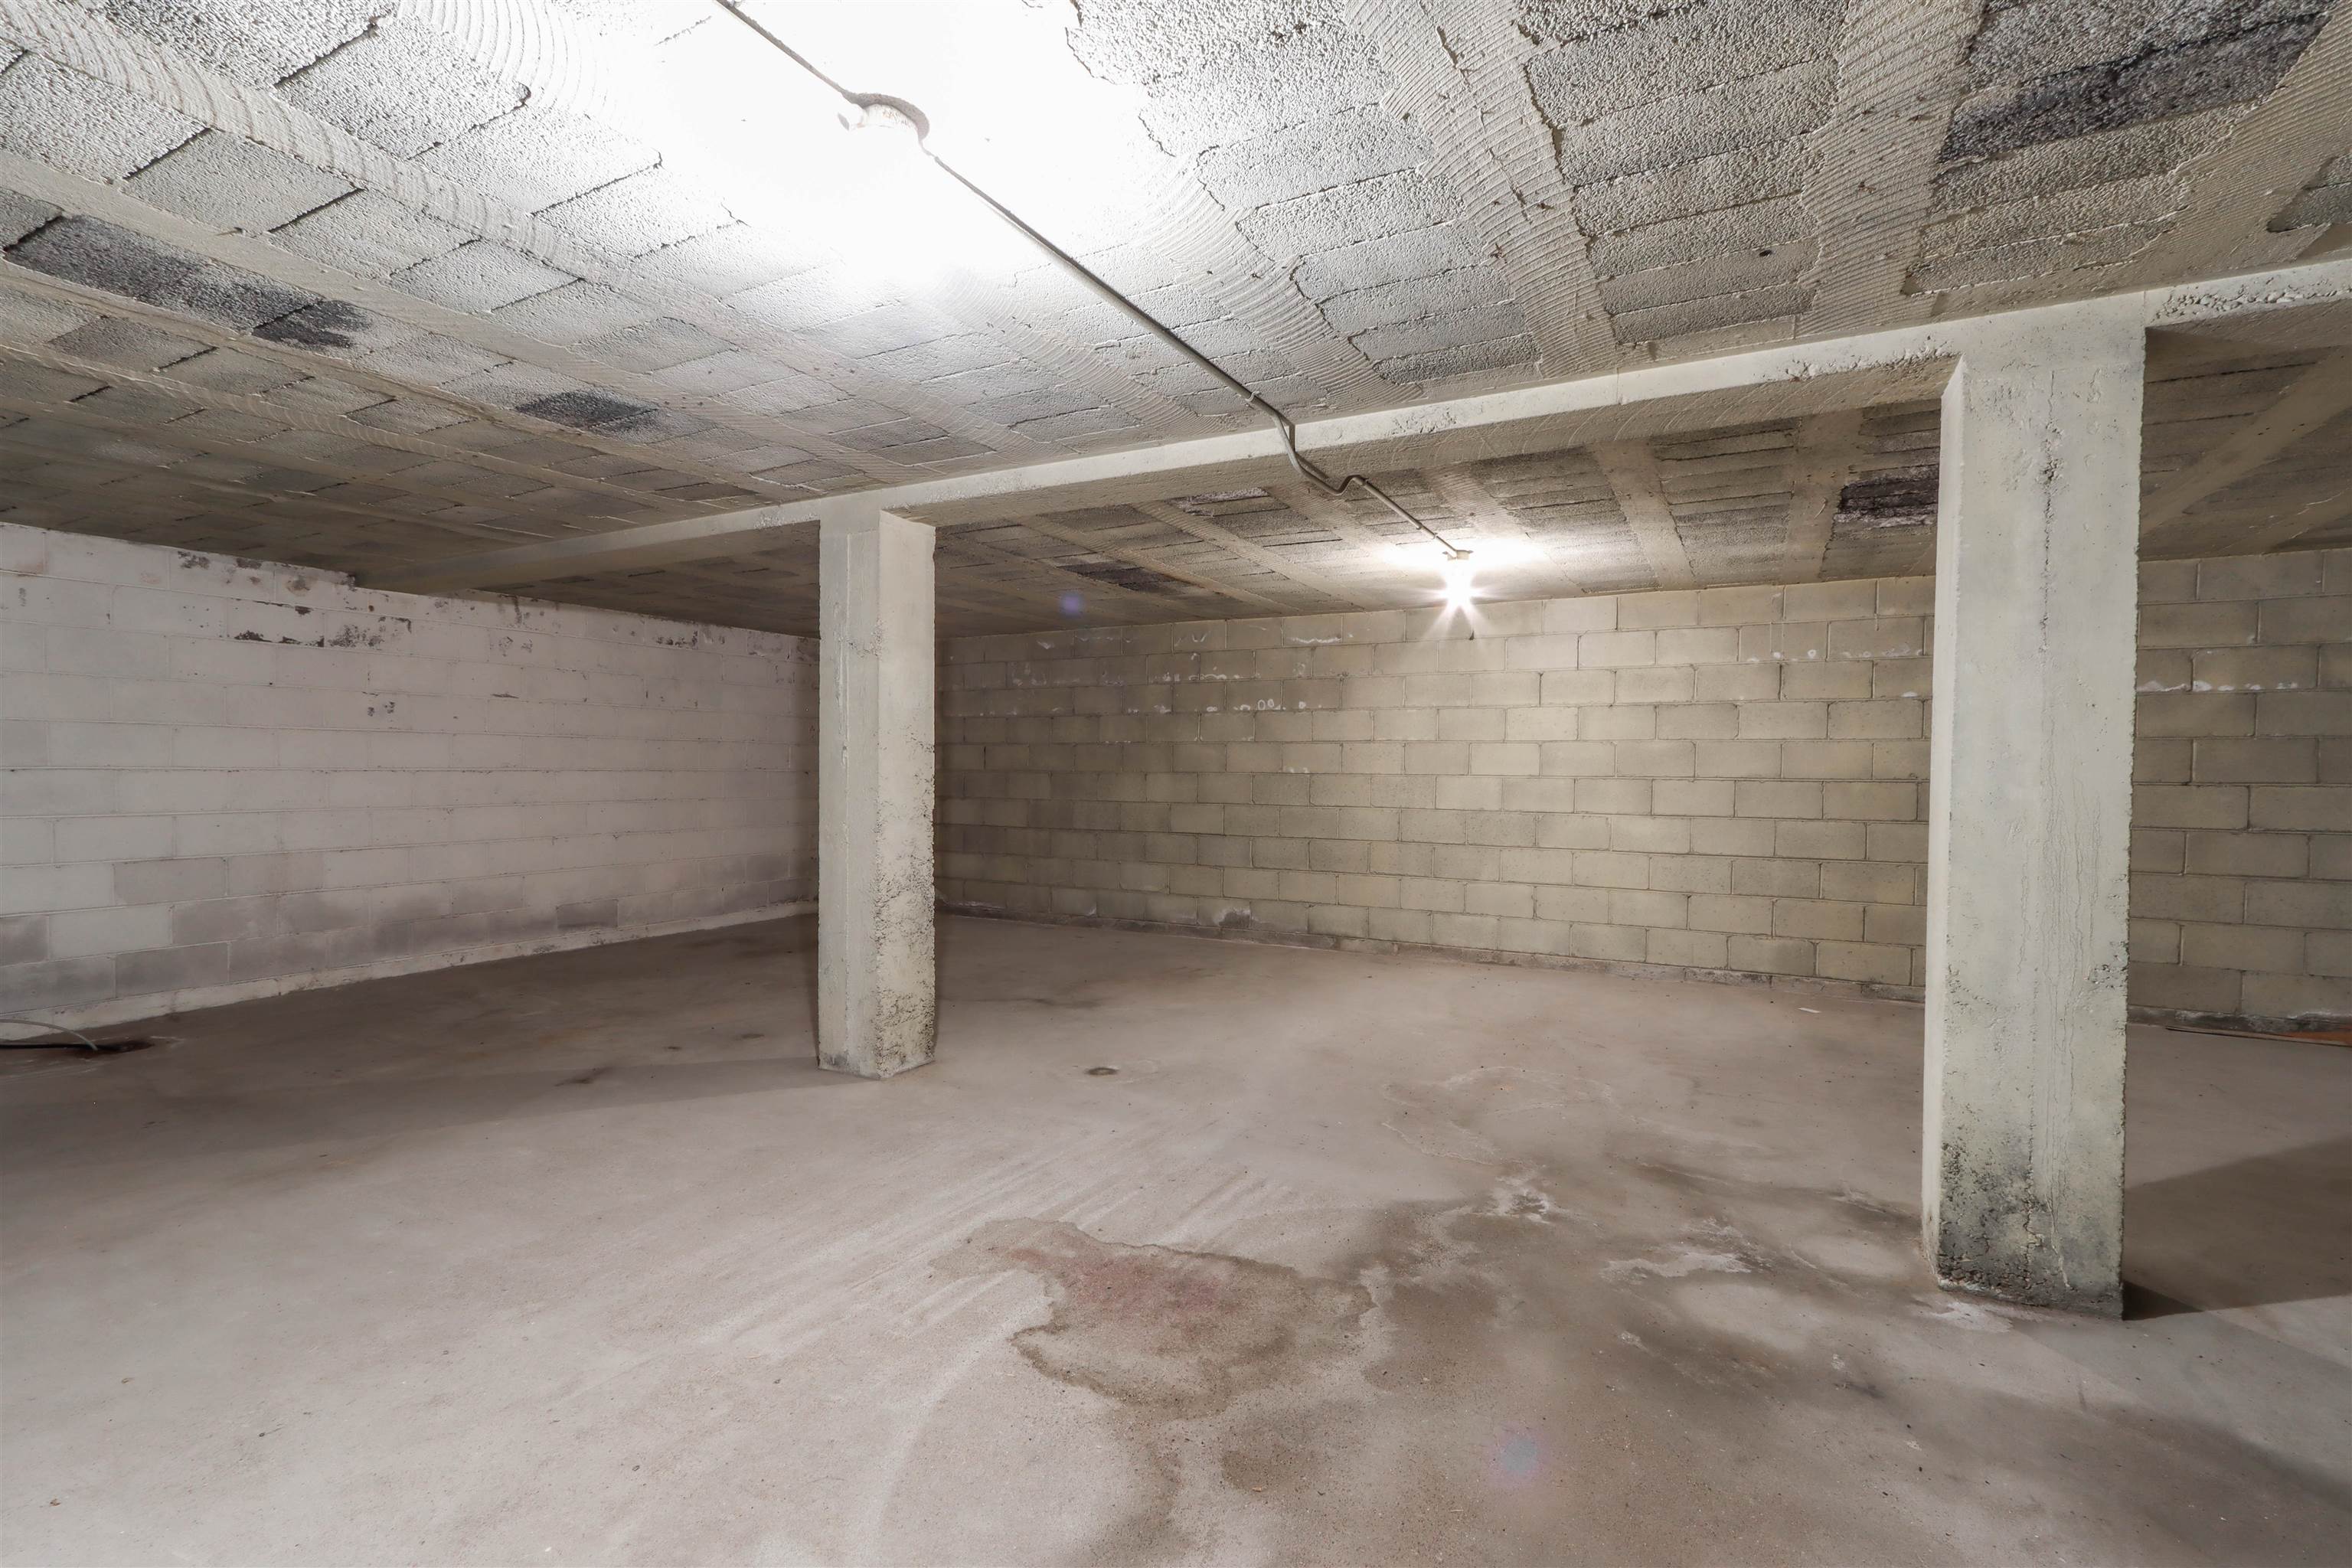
[2320, 393]
[333, 313]
[1010, 306]
[2086, 159]
[368, 529]
[1148, 562]
[1462, 491]
[1048, 580]
[267, 458]
[1457, 67]
[340, 269]
[1632, 470]
[1220, 78]
[1338, 513]
[1177, 516]
[427, 408]
[2322, 521]
[92, 45]
[306, 346]
[272, 445]
[1827, 447]
[1874, 164]
[635, 503]
[2264, 161]
[1904, 368]
[2298, 492]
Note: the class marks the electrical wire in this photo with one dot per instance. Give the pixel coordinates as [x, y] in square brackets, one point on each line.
[865, 103]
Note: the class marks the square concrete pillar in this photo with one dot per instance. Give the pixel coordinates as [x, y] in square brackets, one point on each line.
[876, 978]
[2029, 813]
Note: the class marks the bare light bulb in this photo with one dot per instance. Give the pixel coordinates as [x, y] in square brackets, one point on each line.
[914, 224]
[1458, 572]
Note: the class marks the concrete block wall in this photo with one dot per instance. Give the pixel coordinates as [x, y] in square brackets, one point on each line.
[1726, 780]
[1719, 780]
[2242, 815]
[226, 779]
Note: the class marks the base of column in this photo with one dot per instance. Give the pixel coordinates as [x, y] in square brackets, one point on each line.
[2012, 1261]
[2109, 1304]
[904, 1036]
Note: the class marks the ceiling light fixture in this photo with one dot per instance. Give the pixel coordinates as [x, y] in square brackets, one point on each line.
[1459, 591]
[880, 115]
[889, 117]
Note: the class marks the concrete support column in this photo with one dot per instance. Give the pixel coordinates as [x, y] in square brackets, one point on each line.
[2030, 812]
[877, 980]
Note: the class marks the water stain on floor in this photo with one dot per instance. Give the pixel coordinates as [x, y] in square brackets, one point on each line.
[1621, 1356]
[1175, 1332]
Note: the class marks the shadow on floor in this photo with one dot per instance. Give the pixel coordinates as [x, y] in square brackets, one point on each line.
[2253, 1233]
[363, 1108]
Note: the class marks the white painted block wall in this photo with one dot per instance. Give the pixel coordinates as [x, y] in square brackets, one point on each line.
[226, 779]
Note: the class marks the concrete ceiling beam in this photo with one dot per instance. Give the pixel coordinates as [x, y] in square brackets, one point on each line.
[1899, 366]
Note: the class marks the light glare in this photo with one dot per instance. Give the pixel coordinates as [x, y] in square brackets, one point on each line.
[790, 158]
[1459, 589]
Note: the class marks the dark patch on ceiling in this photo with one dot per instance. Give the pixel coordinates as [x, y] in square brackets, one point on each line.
[1890, 501]
[329, 324]
[1219, 503]
[710, 489]
[2159, 82]
[885, 437]
[21, 215]
[297, 480]
[1572, 21]
[2327, 199]
[589, 411]
[101, 255]
[1134, 579]
[83, 250]
[813, 474]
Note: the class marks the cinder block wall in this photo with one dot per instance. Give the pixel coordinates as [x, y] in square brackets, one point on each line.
[1729, 780]
[1725, 779]
[2242, 818]
[226, 779]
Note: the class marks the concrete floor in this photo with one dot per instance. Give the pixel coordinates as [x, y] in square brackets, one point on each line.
[580, 1260]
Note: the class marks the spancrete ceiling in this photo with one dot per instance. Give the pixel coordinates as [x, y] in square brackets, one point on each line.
[365, 283]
